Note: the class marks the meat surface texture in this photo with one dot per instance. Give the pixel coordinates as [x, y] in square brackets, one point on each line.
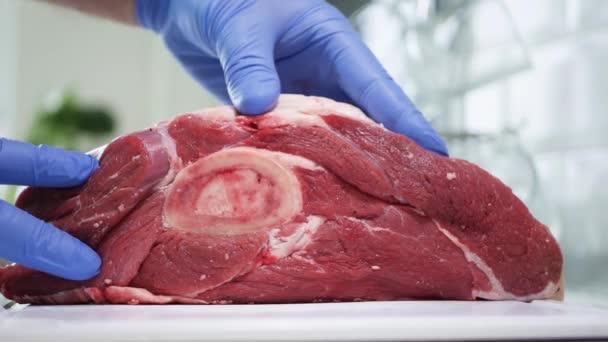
[311, 202]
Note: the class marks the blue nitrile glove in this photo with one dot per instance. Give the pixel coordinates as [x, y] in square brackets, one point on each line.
[29, 241]
[247, 52]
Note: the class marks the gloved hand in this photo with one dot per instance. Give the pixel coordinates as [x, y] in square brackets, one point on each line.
[247, 52]
[29, 241]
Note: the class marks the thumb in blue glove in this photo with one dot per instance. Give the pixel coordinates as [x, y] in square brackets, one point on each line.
[29, 241]
[247, 52]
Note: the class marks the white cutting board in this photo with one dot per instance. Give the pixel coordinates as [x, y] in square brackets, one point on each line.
[372, 321]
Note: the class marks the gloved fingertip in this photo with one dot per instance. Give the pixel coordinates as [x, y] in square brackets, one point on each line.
[415, 126]
[78, 167]
[257, 98]
[89, 164]
[85, 265]
[436, 144]
[56, 167]
[31, 242]
[430, 141]
[69, 257]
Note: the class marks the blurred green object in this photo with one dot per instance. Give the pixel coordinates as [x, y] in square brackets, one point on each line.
[67, 123]
[62, 124]
[10, 194]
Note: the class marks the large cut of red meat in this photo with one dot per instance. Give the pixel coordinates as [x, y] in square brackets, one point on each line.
[310, 202]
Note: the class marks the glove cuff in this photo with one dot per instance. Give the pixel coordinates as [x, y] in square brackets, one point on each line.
[152, 14]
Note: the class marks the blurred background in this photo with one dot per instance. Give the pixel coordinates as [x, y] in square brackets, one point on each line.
[519, 87]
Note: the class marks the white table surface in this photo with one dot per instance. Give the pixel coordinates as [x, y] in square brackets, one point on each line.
[371, 321]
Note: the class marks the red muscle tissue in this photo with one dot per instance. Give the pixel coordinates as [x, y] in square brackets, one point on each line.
[310, 202]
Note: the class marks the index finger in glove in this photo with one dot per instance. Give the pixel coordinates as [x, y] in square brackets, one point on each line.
[36, 244]
[368, 84]
[26, 164]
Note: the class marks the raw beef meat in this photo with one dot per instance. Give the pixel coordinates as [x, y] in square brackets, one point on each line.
[310, 202]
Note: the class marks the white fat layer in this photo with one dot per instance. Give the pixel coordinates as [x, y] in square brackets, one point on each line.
[286, 159]
[368, 227]
[292, 160]
[497, 291]
[140, 295]
[291, 117]
[221, 113]
[98, 152]
[175, 162]
[283, 246]
[319, 106]
[99, 216]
